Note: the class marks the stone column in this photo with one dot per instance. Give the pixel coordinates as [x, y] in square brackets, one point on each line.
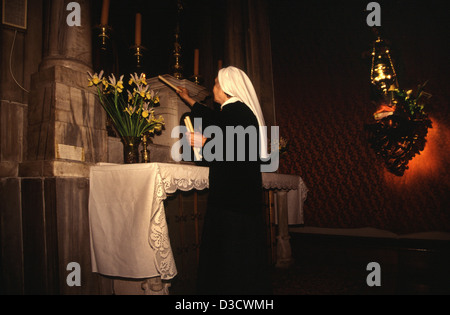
[66, 124]
[64, 45]
[66, 134]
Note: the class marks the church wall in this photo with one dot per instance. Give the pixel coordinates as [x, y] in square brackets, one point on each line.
[26, 48]
[322, 62]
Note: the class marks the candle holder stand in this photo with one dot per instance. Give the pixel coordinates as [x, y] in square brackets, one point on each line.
[197, 79]
[138, 52]
[145, 152]
[104, 34]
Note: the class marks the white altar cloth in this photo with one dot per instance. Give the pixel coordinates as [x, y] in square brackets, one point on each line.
[296, 194]
[128, 228]
[129, 234]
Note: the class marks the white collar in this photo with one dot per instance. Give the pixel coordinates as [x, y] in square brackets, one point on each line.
[233, 99]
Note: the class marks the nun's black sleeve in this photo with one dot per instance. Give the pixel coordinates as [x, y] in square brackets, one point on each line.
[209, 117]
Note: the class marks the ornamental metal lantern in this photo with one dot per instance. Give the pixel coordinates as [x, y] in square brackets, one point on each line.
[382, 74]
[401, 126]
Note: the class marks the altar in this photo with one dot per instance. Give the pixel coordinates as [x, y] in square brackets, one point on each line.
[128, 226]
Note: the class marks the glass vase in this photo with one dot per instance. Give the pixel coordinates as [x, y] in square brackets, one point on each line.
[131, 149]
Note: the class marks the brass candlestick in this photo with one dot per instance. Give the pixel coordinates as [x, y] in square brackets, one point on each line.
[197, 79]
[104, 35]
[177, 67]
[138, 51]
[145, 152]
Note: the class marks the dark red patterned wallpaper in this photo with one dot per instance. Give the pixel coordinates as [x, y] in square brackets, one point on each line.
[323, 100]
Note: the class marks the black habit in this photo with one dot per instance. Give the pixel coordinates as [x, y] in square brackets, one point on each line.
[233, 251]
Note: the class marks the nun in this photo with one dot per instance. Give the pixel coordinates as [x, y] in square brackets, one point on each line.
[233, 250]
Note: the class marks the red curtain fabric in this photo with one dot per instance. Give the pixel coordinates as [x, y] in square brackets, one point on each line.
[322, 90]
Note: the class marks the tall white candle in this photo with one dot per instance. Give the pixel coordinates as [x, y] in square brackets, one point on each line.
[138, 30]
[105, 13]
[196, 61]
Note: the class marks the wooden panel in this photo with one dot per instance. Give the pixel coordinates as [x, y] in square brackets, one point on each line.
[185, 212]
[270, 225]
[54, 223]
[11, 258]
[51, 237]
[72, 202]
[34, 243]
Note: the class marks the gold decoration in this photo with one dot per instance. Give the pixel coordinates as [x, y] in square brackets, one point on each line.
[104, 33]
[145, 152]
[178, 67]
[401, 124]
[382, 74]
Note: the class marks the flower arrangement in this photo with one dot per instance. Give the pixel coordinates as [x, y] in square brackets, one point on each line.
[284, 145]
[281, 143]
[132, 112]
[401, 129]
[413, 103]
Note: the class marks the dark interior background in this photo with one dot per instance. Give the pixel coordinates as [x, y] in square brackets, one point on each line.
[201, 26]
[321, 64]
[322, 93]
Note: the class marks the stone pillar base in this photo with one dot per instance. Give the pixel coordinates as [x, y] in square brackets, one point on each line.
[151, 286]
[54, 168]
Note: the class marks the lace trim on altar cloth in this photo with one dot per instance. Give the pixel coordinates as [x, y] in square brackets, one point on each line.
[159, 232]
[160, 242]
[159, 235]
[185, 179]
[185, 184]
[285, 182]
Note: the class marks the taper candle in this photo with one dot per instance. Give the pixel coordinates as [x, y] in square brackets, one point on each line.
[169, 84]
[138, 29]
[196, 61]
[105, 13]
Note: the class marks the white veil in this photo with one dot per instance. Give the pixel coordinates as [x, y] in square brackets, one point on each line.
[237, 84]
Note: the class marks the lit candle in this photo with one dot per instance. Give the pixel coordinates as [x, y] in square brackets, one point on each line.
[196, 59]
[105, 13]
[138, 29]
[219, 64]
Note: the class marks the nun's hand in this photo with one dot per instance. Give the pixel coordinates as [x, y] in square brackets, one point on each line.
[184, 94]
[195, 139]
